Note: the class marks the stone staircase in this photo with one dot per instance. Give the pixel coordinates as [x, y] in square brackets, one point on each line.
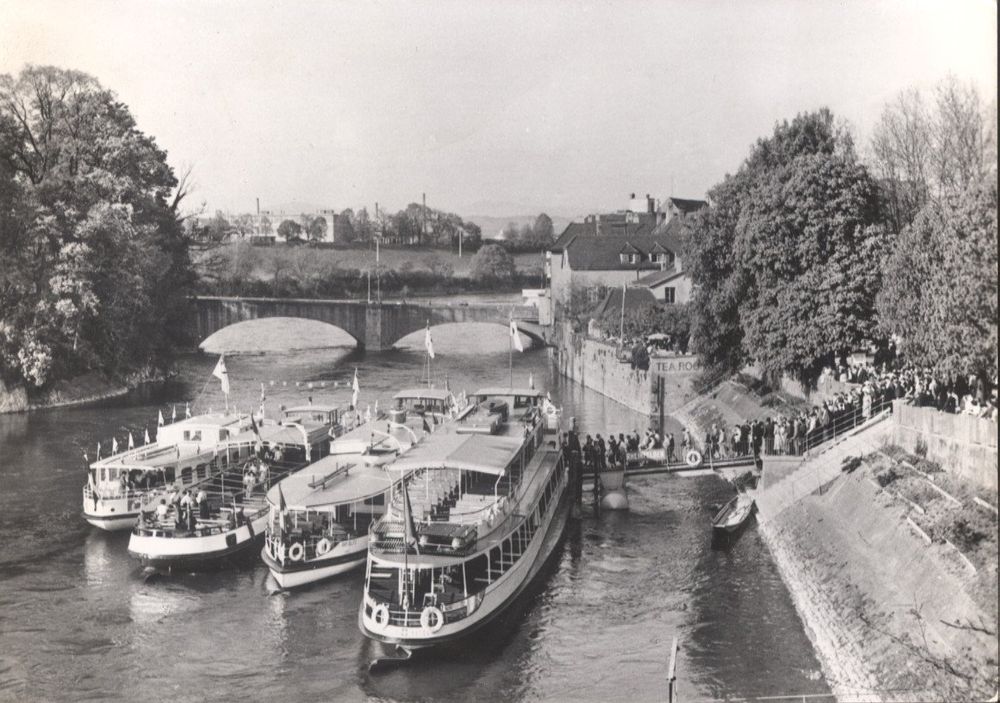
[822, 465]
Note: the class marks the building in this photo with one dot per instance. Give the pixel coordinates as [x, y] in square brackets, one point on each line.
[264, 224]
[635, 248]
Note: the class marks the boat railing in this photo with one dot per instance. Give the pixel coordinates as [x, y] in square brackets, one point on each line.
[280, 544]
[115, 492]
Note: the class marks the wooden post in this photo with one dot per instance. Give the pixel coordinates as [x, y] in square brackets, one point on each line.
[672, 674]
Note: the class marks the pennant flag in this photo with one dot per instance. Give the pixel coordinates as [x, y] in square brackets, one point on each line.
[159, 418]
[221, 374]
[98, 450]
[376, 409]
[114, 446]
[145, 435]
[357, 389]
[263, 397]
[531, 381]
[187, 410]
[368, 413]
[86, 458]
[131, 442]
[259, 443]
[281, 499]
[411, 529]
[428, 342]
[427, 428]
[515, 337]
[173, 413]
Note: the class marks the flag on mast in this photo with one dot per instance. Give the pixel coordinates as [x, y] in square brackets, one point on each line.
[114, 446]
[428, 342]
[368, 413]
[356, 389]
[531, 381]
[259, 442]
[187, 410]
[131, 442]
[281, 499]
[515, 337]
[410, 535]
[145, 435]
[159, 418]
[98, 450]
[221, 374]
[173, 413]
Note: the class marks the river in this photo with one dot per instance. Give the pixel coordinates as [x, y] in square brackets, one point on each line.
[80, 620]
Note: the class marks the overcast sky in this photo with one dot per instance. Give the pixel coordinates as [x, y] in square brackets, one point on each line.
[498, 108]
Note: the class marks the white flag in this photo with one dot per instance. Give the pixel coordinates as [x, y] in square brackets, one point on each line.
[531, 381]
[145, 436]
[357, 390]
[131, 442]
[221, 374]
[428, 342]
[159, 418]
[515, 337]
[173, 413]
[187, 410]
[114, 446]
[368, 413]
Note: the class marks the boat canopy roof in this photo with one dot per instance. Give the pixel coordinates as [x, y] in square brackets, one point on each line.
[319, 485]
[316, 407]
[423, 394]
[213, 420]
[283, 434]
[505, 391]
[484, 453]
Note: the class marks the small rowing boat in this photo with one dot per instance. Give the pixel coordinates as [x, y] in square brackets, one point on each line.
[734, 514]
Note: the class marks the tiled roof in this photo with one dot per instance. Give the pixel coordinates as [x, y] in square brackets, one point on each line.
[658, 277]
[635, 298]
[687, 206]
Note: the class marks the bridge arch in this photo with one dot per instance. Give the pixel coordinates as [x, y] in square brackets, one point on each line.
[375, 326]
[273, 333]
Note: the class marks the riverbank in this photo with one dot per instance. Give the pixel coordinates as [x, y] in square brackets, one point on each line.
[83, 390]
[893, 612]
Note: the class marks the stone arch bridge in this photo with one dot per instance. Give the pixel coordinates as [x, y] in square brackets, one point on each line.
[375, 326]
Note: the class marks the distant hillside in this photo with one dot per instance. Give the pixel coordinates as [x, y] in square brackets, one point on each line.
[491, 226]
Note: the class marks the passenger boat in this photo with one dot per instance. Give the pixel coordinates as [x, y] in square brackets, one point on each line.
[320, 516]
[184, 454]
[234, 516]
[480, 507]
[734, 514]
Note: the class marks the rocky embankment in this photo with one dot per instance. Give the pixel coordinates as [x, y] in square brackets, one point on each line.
[895, 580]
[89, 388]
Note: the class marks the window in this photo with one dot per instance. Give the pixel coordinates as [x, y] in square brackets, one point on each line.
[624, 258]
[669, 295]
[594, 294]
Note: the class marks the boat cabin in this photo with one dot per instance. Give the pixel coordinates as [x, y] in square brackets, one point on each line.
[314, 414]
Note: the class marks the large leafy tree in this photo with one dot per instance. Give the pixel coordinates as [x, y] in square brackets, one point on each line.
[95, 269]
[788, 259]
[492, 263]
[940, 290]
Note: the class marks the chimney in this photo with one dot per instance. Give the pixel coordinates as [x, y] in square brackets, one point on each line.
[650, 205]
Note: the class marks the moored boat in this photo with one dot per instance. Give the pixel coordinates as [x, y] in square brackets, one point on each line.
[320, 516]
[734, 514]
[184, 454]
[481, 506]
[230, 515]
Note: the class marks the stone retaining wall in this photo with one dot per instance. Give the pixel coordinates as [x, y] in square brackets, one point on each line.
[964, 445]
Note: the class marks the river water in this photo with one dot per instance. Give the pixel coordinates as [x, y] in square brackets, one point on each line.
[79, 620]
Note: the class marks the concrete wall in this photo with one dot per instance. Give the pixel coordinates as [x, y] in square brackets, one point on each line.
[964, 445]
[826, 388]
[594, 364]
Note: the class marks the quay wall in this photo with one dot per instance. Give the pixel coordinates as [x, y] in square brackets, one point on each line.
[594, 364]
[827, 387]
[963, 445]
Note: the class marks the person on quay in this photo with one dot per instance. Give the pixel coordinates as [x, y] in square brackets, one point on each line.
[670, 448]
[203, 507]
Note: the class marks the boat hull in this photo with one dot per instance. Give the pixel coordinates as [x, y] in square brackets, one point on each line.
[302, 573]
[494, 604]
[112, 522]
[199, 553]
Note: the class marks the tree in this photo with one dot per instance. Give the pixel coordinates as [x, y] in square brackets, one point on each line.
[542, 230]
[289, 230]
[343, 228]
[924, 151]
[639, 323]
[96, 271]
[492, 263]
[940, 285]
[316, 229]
[787, 260]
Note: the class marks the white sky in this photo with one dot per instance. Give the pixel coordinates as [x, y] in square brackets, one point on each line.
[498, 108]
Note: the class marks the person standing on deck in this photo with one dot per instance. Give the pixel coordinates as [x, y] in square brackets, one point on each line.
[670, 448]
[601, 454]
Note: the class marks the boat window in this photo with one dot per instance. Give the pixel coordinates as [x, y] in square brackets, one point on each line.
[495, 568]
[202, 470]
[186, 474]
[192, 435]
[475, 573]
[382, 583]
[223, 434]
[376, 500]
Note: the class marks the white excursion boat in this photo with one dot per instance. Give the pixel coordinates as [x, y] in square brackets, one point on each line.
[231, 516]
[482, 505]
[320, 516]
[184, 454]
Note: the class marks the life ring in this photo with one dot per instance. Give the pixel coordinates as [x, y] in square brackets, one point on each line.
[431, 612]
[323, 546]
[380, 616]
[693, 458]
[296, 551]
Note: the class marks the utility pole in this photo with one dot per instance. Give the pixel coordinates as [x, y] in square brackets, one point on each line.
[423, 225]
